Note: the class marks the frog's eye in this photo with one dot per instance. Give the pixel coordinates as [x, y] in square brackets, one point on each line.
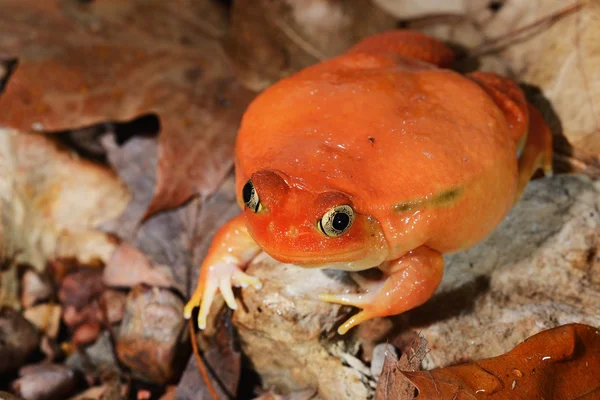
[336, 221]
[250, 197]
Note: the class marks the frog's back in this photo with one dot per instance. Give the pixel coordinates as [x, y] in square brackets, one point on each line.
[395, 134]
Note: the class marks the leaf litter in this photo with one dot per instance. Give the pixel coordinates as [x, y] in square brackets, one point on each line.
[85, 63]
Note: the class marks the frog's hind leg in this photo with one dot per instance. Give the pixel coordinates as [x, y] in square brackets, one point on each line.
[408, 44]
[536, 152]
[407, 283]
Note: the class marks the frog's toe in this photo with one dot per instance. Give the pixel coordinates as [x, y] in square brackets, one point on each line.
[348, 299]
[359, 300]
[356, 319]
[207, 298]
[241, 279]
[227, 292]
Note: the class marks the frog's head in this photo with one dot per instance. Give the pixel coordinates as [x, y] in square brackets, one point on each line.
[298, 226]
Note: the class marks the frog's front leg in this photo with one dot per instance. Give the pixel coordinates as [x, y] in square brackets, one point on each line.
[407, 283]
[230, 251]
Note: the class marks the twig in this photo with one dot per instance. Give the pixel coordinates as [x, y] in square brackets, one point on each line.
[504, 40]
[201, 365]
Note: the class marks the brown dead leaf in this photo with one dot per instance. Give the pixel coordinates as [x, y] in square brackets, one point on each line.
[46, 317]
[561, 59]
[272, 39]
[393, 385]
[115, 61]
[129, 267]
[51, 201]
[562, 362]
[223, 361]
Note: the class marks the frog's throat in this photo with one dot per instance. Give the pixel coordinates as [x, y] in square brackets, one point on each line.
[363, 261]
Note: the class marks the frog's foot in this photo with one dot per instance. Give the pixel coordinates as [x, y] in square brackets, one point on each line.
[222, 277]
[407, 283]
[363, 300]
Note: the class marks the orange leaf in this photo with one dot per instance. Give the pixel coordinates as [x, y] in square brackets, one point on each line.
[560, 363]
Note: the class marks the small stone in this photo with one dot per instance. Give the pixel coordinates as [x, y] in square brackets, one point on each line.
[34, 289]
[98, 357]
[80, 288]
[45, 382]
[46, 317]
[150, 333]
[86, 333]
[18, 339]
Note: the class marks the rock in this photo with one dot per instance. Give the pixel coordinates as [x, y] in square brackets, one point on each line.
[80, 288]
[95, 360]
[80, 293]
[46, 317]
[538, 270]
[34, 289]
[18, 339]
[45, 382]
[150, 333]
[284, 330]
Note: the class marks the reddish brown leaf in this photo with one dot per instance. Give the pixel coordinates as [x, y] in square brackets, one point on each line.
[84, 63]
[560, 363]
[393, 385]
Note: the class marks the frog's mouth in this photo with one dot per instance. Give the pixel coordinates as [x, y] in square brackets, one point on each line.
[357, 260]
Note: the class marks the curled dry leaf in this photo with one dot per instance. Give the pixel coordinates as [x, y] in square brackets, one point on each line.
[563, 362]
[269, 40]
[51, 201]
[109, 61]
[393, 385]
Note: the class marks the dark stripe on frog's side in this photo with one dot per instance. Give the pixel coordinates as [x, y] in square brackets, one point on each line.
[445, 198]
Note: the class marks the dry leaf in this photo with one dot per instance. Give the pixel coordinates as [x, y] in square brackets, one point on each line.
[393, 385]
[115, 61]
[128, 267]
[51, 201]
[272, 39]
[46, 317]
[548, 45]
[223, 360]
[559, 363]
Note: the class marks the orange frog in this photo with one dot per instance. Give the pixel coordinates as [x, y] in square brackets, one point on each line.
[378, 158]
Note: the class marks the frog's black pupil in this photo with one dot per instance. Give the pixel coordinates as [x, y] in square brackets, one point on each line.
[340, 221]
[247, 192]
